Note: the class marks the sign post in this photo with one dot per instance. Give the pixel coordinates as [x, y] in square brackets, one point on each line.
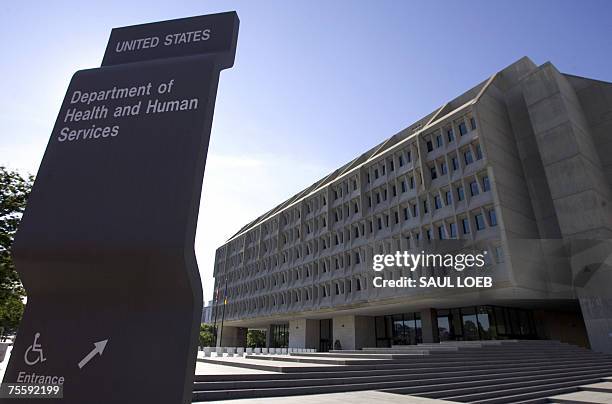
[106, 245]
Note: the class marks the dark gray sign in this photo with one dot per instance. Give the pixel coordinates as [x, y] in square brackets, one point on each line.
[105, 248]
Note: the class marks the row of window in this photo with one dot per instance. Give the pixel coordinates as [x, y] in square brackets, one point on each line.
[438, 139]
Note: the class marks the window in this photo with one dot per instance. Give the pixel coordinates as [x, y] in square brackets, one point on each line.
[443, 168]
[433, 172]
[371, 226]
[450, 135]
[378, 197]
[462, 128]
[376, 173]
[499, 254]
[429, 146]
[414, 211]
[425, 207]
[368, 177]
[385, 194]
[486, 184]
[358, 284]
[441, 232]
[472, 123]
[379, 223]
[403, 186]
[354, 185]
[448, 198]
[428, 234]
[357, 258]
[460, 194]
[401, 161]
[387, 220]
[391, 166]
[479, 220]
[455, 163]
[478, 152]
[439, 142]
[465, 224]
[437, 202]
[453, 230]
[394, 189]
[474, 188]
[356, 232]
[467, 157]
[406, 214]
[408, 156]
[356, 208]
[492, 218]
[396, 217]
[411, 182]
[384, 169]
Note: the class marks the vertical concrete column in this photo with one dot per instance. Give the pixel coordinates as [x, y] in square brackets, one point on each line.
[269, 336]
[429, 325]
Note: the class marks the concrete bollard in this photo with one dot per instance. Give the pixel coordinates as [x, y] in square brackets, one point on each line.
[272, 351]
[206, 351]
[264, 351]
[249, 351]
[231, 351]
[219, 351]
[240, 351]
[283, 351]
[257, 351]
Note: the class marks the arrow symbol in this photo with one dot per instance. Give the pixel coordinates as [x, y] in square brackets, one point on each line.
[99, 348]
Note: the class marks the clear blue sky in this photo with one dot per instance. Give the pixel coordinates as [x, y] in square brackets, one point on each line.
[315, 82]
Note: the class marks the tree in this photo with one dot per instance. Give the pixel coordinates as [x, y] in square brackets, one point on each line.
[256, 339]
[14, 192]
[207, 335]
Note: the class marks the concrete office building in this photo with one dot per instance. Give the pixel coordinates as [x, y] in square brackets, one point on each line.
[519, 166]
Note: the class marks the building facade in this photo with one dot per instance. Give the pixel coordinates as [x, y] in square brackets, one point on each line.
[518, 167]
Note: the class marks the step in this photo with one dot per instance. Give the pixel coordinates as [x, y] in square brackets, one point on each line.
[507, 383]
[392, 387]
[530, 396]
[603, 387]
[328, 371]
[497, 395]
[328, 360]
[583, 397]
[420, 361]
[424, 379]
[342, 371]
[358, 354]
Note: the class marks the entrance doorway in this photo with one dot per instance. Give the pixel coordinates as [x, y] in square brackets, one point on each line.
[325, 335]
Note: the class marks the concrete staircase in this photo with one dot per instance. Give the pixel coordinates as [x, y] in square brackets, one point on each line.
[475, 372]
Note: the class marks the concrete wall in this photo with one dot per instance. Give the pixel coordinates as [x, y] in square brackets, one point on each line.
[561, 326]
[232, 336]
[304, 333]
[354, 332]
[580, 192]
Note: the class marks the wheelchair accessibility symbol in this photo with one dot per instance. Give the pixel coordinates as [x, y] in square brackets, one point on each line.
[34, 351]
